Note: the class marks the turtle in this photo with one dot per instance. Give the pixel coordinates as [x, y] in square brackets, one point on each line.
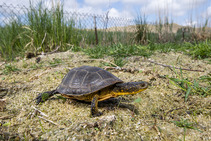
[92, 84]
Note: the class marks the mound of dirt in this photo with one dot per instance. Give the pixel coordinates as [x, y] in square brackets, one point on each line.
[160, 106]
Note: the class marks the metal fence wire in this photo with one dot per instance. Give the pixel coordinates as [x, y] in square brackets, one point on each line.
[102, 26]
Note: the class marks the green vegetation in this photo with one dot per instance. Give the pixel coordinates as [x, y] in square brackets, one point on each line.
[190, 87]
[47, 30]
[119, 52]
[201, 51]
[55, 62]
[142, 30]
[9, 68]
[206, 78]
[184, 123]
[197, 51]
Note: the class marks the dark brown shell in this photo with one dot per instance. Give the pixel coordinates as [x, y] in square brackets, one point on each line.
[85, 80]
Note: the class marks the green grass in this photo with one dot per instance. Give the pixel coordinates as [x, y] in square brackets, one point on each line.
[201, 51]
[118, 51]
[10, 68]
[46, 29]
[142, 30]
[184, 123]
[192, 87]
[55, 62]
[11, 43]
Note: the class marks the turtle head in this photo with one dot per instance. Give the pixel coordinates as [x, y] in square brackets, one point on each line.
[129, 88]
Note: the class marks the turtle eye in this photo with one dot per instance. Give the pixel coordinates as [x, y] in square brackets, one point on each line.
[143, 85]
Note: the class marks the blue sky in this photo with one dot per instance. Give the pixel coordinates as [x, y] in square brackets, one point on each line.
[183, 12]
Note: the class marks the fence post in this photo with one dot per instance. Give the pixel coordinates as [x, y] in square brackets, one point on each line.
[96, 37]
[183, 34]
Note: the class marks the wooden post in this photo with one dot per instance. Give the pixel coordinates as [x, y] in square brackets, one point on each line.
[95, 24]
[183, 34]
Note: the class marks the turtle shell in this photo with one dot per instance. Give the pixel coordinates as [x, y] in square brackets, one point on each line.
[85, 80]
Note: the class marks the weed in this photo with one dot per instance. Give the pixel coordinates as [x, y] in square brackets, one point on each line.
[142, 30]
[43, 130]
[201, 51]
[119, 52]
[206, 78]
[119, 61]
[9, 68]
[25, 65]
[11, 43]
[138, 100]
[6, 124]
[55, 62]
[186, 125]
[97, 51]
[47, 29]
[35, 66]
[189, 87]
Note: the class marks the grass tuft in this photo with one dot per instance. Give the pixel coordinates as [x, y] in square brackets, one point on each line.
[184, 123]
[9, 69]
[188, 86]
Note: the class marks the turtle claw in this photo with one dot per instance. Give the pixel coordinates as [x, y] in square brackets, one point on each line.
[39, 99]
[97, 114]
[42, 97]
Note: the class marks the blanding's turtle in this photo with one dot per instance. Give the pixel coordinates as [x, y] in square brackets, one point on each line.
[92, 84]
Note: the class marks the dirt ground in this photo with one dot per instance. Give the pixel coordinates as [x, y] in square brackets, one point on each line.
[62, 119]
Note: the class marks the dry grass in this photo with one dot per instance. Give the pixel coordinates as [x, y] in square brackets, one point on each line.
[59, 119]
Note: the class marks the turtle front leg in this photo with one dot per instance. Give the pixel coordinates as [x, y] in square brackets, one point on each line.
[94, 107]
[42, 97]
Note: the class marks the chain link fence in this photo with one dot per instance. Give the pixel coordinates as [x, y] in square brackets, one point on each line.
[85, 20]
[102, 27]
[9, 13]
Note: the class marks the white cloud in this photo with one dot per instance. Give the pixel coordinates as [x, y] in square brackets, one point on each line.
[90, 10]
[190, 23]
[15, 2]
[120, 14]
[100, 3]
[70, 5]
[134, 1]
[173, 7]
[49, 4]
[163, 6]
[96, 2]
[114, 12]
[191, 3]
[207, 13]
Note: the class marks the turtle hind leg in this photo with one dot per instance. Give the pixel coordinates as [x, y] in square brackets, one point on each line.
[42, 97]
[94, 107]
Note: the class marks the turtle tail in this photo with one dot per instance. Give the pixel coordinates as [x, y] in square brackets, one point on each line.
[42, 97]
